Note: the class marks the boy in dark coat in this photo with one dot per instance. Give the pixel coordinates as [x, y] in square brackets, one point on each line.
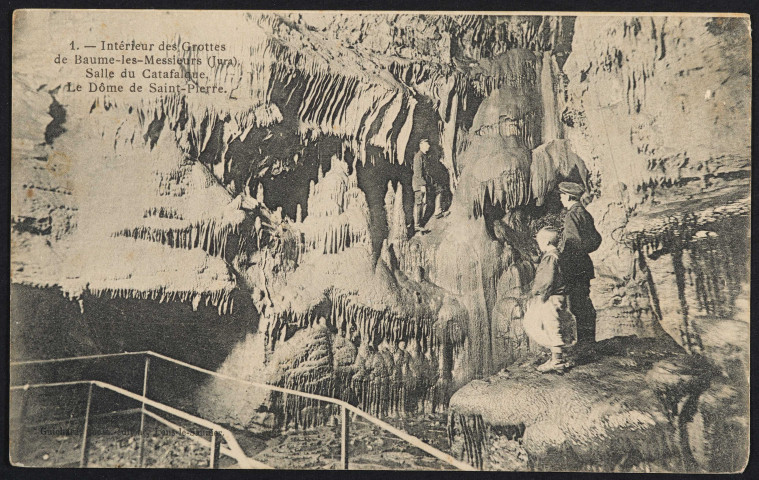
[579, 239]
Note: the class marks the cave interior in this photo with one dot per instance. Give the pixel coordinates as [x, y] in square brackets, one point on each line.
[271, 236]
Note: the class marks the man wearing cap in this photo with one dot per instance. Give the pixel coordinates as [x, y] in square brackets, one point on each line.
[419, 181]
[580, 238]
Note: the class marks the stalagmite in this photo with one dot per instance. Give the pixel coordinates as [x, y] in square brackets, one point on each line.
[260, 193]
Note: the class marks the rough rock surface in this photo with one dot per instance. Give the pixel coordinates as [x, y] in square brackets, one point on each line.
[630, 408]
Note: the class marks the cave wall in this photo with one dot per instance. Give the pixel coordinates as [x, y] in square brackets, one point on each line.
[656, 99]
[656, 106]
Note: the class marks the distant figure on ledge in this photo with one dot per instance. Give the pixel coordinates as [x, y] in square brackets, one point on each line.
[580, 238]
[547, 319]
[419, 182]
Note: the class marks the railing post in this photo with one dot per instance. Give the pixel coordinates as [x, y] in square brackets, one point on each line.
[215, 449]
[17, 432]
[286, 411]
[83, 455]
[345, 427]
[142, 413]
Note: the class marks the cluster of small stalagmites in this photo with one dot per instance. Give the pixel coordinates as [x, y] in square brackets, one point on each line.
[338, 215]
[394, 379]
[413, 345]
[304, 364]
[163, 212]
[396, 368]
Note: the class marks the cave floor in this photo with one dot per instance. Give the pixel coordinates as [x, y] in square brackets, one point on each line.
[370, 446]
[113, 441]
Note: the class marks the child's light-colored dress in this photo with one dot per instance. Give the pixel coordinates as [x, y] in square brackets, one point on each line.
[549, 323]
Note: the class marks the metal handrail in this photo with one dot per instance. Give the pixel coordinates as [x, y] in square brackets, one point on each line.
[83, 357]
[234, 450]
[344, 406]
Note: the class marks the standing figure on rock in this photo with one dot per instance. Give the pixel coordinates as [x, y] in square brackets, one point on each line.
[419, 182]
[547, 320]
[580, 238]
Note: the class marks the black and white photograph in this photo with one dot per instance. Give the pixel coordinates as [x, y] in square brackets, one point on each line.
[332, 240]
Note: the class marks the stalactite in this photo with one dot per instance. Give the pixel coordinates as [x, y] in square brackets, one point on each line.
[405, 132]
[214, 236]
[399, 359]
[549, 71]
[504, 182]
[474, 432]
[647, 233]
[554, 162]
[705, 276]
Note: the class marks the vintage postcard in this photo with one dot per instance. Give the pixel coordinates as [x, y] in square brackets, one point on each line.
[377, 240]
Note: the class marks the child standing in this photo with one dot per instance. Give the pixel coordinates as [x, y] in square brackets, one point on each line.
[547, 319]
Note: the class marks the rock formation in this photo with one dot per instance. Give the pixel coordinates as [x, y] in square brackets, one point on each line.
[293, 198]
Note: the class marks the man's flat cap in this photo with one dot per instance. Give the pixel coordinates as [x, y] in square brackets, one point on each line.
[571, 188]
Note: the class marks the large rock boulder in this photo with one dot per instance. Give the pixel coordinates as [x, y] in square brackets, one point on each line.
[629, 409]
